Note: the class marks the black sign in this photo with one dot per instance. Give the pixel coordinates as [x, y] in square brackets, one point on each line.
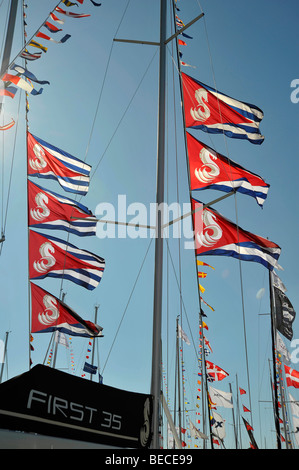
[53, 403]
[284, 313]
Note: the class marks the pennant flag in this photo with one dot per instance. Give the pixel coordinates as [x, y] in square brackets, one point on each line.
[282, 350]
[48, 38]
[182, 43]
[47, 161]
[38, 45]
[216, 235]
[51, 27]
[68, 3]
[211, 170]
[292, 377]
[284, 313]
[51, 314]
[201, 288]
[89, 368]
[214, 112]
[218, 427]
[220, 398]
[245, 409]
[249, 430]
[27, 74]
[49, 210]
[28, 56]
[7, 126]
[213, 310]
[184, 64]
[68, 13]
[50, 256]
[242, 391]
[183, 335]
[201, 263]
[214, 372]
[8, 91]
[21, 83]
[56, 19]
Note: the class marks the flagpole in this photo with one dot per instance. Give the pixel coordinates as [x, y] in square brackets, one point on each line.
[233, 413]
[272, 310]
[238, 410]
[158, 277]
[178, 377]
[95, 321]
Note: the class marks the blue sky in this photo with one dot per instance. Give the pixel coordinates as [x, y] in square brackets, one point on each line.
[249, 50]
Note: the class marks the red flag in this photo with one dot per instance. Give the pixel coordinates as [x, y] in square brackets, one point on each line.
[242, 391]
[216, 235]
[245, 409]
[211, 170]
[215, 373]
[292, 377]
[211, 111]
[50, 314]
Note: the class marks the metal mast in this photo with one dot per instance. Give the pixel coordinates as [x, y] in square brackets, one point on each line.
[157, 315]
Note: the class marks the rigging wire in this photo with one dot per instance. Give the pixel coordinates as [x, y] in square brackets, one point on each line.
[128, 302]
[237, 224]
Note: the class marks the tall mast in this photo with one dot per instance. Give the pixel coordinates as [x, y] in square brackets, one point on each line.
[273, 329]
[157, 310]
[9, 37]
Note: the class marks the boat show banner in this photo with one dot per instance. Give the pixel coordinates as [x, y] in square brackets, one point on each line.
[49, 402]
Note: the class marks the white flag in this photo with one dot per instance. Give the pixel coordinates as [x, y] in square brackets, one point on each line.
[294, 406]
[220, 398]
[296, 428]
[61, 338]
[281, 348]
[183, 335]
[278, 283]
[218, 427]
[195, 432]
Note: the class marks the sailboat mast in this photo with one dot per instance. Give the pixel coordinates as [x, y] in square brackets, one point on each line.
[157, 308]
[9, 36]
[4, 356]
[276, 414]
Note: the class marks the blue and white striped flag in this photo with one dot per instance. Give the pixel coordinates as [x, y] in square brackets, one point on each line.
[214, 112]
[49, 210]
[50, 256]
[216, 235]
[47, 161]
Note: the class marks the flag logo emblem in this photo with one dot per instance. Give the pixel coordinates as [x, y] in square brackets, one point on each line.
[211, 232]
[51, 313]
[39, 162]
[202, 111]
[209, 169]
[41, 211]
[47, 259]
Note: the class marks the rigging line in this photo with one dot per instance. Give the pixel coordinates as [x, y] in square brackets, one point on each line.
[125, 112]
[177, 191]
[11, 171]
[104, 80]
[236, 213]
[129, 299]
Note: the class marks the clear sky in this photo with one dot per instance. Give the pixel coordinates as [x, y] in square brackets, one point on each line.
[101, 106]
